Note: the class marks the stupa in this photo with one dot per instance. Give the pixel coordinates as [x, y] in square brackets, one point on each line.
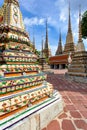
[25, 96]
[42, 61]
[59, 49]
[46, 49]
[77, 71]
[69, 46]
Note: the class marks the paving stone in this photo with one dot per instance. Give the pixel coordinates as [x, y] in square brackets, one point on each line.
[70, 107]
[79, 97]
[67, 125]
[54, 125]
[81, 124]
[75, 98]
[85, 95]
[72, 97]
[84, 102]
[80, 106]
[75, 114]
[62, 116]
[84, 113]
[65, 109]
[62, 93]
[74, 101]
[66, 100]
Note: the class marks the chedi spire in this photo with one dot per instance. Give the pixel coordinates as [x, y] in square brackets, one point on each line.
[80, 29]
[59, 49]
[46, 50]
[69, 21]
[33, 42]
[46, 41]
[80, 45]
[69, 46]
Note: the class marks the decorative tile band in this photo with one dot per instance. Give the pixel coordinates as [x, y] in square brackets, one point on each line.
[7, 123]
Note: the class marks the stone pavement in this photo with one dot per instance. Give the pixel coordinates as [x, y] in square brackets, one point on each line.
[74, 116]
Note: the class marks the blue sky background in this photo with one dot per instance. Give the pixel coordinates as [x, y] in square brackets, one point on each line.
[35, 13]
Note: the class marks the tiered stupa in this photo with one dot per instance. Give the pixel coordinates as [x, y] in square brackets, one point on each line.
[23, 89]
[78, 69]
[59, 49]
[69, 46]
[42, 60]
[46, 50]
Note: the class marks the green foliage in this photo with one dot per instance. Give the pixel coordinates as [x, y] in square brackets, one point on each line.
[84, 25]
[37, 53]
[47, 60]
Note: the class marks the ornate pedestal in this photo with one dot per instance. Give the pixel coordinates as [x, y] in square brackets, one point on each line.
[35, 118]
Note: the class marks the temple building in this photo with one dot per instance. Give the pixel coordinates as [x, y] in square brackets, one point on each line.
[60, 60]
[24, 93]
[47, 50]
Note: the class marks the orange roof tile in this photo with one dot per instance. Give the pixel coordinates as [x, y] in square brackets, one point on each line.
[59, 59]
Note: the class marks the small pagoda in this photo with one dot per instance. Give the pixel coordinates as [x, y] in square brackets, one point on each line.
[23, 89]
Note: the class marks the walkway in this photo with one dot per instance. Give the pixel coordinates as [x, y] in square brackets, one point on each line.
[74, 95]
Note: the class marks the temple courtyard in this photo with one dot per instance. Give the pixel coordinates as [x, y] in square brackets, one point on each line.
[74, 116]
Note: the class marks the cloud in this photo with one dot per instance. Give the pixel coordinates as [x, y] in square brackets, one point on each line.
[39, 21]
[62, 17]
[53, 49]
[33, 21]
[57, 13]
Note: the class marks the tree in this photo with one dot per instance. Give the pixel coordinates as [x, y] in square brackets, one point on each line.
[37, 53]
[84, 25]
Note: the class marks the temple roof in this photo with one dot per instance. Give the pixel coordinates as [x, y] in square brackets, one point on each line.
[60, 59]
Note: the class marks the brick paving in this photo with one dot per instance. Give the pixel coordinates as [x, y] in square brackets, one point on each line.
[74, 116]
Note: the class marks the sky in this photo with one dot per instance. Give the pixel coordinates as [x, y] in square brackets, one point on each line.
[35, 13]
